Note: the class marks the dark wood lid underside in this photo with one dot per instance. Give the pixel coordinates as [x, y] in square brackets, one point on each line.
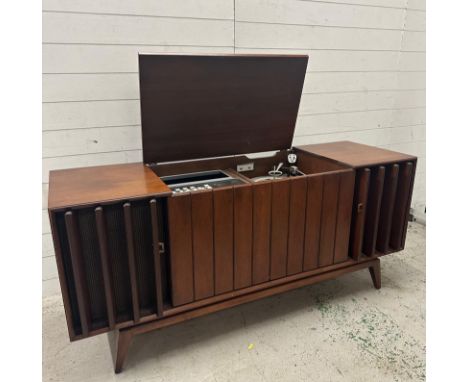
[210, 106]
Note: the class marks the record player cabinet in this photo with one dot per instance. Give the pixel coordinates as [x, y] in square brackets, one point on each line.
[133, 256]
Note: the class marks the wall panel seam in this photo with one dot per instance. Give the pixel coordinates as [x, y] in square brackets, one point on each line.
[230, 46]
[135, 15]
[136, 126]
[305, 93]
[135, 44]
[330, 26]
[345, 4]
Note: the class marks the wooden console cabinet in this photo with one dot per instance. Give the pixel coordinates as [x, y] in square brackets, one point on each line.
[134, 256]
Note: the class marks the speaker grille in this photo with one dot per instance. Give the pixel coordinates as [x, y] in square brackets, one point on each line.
[85, 250]
[382, 201]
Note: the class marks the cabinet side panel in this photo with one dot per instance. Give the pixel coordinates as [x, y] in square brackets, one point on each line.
[343, 220]
[180, 243]
[331, 183]
[202, 236]
[223, 212]
[279, 228]
[313, 222]
[261, 232]
[242, 236]
[297, 212]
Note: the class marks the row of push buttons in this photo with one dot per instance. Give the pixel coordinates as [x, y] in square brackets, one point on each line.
[192, 188]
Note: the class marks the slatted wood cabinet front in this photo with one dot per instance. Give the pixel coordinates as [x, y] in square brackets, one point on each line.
[231, 238]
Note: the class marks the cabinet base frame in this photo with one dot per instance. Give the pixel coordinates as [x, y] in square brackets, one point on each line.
[121, 340]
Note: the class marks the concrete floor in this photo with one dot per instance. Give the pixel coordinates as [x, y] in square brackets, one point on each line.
[339, 330]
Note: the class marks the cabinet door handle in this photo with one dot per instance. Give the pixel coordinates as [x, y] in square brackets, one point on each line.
[161, 247]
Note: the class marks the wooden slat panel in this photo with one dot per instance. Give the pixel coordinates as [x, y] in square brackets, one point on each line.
[297, 216]
[344, 215]
[144, 257]
[180, 239]
[202, 242]
[261, 232]
[242, 236]
[313, 222]
[386, 209]
[408, 206]
[373, 210]
[131, 261]
[223, 218]
[105, 265]
[89, 245]
[279, 228]
[401, 203]
[331, 184]
[62, 275]
[359, 212]
[78, 272]
[157, 257]
[115, 222]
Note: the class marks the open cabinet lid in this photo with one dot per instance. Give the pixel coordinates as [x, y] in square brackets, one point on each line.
[211, 106]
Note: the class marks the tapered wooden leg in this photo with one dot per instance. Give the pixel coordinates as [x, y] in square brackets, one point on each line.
[374, 271]
[123, 344]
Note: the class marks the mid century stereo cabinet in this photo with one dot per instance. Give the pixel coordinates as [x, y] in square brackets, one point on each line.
[135, 254]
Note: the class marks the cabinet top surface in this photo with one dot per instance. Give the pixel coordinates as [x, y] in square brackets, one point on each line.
[88, 185]
[356, 154]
